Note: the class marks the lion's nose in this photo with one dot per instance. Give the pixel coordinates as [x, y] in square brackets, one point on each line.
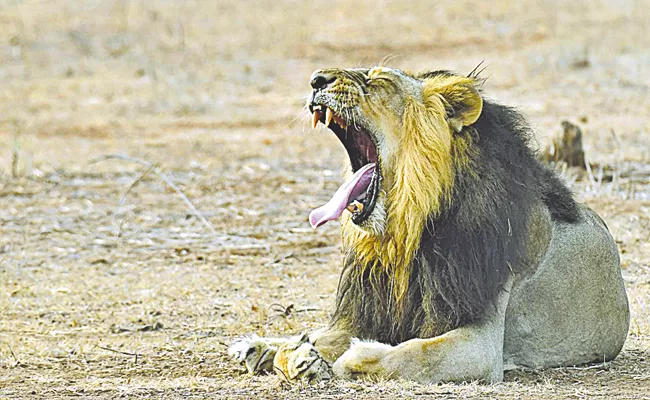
[321, 79]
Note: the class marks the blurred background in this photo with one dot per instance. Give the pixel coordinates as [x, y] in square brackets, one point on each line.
[107, 68]
[198, 231]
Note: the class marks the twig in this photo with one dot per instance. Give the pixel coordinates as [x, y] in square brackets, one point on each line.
[15, 151]
[144, 172]
[590, 173]
[601, 173]
[603, 365]
[307, 309]
[281, 258]
[619, 157]
[187, 201]
[125, 353]
[164, 178]
[119, 157]
[17, 362]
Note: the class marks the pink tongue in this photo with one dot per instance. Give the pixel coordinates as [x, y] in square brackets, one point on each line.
[346, 193]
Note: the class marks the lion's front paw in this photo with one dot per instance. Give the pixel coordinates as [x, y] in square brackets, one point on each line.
[362, 358]
[252, 351]
[302, 362]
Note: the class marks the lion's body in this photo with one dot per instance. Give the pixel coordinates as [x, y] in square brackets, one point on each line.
[477, 259]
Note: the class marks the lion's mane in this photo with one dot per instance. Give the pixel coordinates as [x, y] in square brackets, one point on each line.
[468, 243]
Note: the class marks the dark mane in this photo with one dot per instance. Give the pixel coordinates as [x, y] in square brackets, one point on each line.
[465, 254]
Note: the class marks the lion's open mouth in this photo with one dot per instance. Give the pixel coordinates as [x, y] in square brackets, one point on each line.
[359, 194]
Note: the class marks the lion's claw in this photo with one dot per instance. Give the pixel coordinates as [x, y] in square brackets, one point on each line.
[254, 353]
[302, 363]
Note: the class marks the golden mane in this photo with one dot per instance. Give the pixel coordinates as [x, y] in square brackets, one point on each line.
[421, 179]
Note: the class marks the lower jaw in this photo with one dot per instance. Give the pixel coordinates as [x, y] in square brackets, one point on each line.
[375, 223]
[373, 194]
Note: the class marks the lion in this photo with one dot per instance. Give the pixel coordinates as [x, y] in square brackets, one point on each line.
[464, 256]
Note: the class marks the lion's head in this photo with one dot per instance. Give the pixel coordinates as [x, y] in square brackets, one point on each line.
[403, 136]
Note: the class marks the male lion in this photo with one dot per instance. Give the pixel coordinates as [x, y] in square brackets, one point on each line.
[464, 256]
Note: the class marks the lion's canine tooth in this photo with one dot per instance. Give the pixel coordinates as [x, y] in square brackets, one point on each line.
[315, 117]
[329, 114]
[355, 207]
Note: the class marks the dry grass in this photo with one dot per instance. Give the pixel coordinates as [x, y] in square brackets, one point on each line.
[103, 298]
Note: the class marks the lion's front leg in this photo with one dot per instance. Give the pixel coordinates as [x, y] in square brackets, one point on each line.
[470, 353]
[458, 356]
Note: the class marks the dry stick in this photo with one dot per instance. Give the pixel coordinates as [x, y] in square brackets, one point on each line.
[590, 173]
[13, 354]
[602, 365]
[136, 355]
[14, 160]
[144, 172]
[119, 157]
[601, 173]
[133, 183]
[619, 158]
[162, 176]
[15, 152]
[187, 202]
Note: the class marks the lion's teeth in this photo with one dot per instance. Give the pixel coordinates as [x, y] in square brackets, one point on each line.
[316, 107]
[328, 116]
[355, 207]
[315, 118]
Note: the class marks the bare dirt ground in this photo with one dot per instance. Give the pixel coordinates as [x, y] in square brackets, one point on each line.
[109, 295]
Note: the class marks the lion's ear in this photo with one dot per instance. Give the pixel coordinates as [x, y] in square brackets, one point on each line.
[463, 101]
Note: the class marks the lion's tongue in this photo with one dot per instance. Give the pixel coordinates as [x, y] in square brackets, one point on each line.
[347, 192]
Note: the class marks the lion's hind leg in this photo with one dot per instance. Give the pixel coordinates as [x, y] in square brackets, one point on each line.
[573, 310]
